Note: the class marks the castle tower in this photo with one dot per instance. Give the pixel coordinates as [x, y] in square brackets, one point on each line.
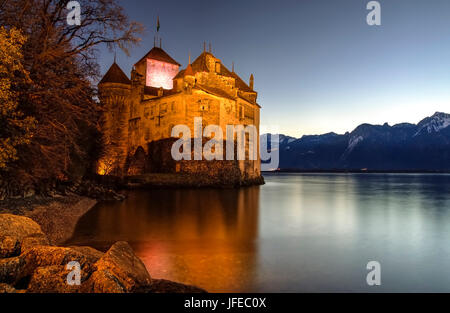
[189, 77]
[158, 68]
[114, 91]
[140, 113]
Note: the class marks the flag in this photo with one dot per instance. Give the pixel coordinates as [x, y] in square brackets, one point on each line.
[158, 25]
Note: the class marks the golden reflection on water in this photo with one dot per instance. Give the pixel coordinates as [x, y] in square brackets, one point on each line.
[297, 233]
[208, 241]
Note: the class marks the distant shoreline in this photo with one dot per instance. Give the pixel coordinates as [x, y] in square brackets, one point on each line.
[334, 171]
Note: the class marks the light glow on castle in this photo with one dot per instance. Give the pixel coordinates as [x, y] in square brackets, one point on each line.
[160, 74]
[140, 113]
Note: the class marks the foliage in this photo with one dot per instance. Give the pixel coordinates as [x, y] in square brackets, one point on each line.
[62, 66]
[16, 129]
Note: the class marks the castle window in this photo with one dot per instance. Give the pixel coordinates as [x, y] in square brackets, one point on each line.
[249, 112]
[228, 108]
[241, 112]
[204, 105]
[152, 111]
[163, 108]
[172, 105]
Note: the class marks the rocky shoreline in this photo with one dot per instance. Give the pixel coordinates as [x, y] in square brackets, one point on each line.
[58, 209]
[31, 259]
[58, 206]
[57, 216]
[29, 263]
[169, 180]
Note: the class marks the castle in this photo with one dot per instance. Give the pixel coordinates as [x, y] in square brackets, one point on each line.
[139, 114]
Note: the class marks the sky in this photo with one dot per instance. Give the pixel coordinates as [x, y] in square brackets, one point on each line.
[318, 66]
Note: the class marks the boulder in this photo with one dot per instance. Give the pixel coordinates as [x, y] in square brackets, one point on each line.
[9, 247]
[19, 233]
[119, 268]
[4, 288]
[53, 279]
[104, 281]
[18, 227]
[46, 267]
[28, 263]
[42, 269]
[32, 241]
[91, 254]
[43, 256]
[11, 270]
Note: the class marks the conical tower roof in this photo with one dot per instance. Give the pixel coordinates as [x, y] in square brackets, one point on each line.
[189, 71]
[160, 55]
[115, 75]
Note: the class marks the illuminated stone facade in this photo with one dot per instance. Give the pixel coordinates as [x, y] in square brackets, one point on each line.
[142, 111]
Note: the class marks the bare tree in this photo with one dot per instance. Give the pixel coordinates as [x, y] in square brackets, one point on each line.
[61, 62]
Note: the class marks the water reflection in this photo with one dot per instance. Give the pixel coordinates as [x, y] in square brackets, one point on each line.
[299, 232]
[202, 237]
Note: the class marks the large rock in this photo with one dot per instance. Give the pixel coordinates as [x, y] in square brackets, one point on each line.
[91, 254]
[18, 227]
[28, 263]
[32, 241]
[9, 247]
[4, 288]
[53, 279]
[120, 270]
[43, 256]
[104, 281]
[18, 234]
[11, 270]
[117, 271]
[46, 268]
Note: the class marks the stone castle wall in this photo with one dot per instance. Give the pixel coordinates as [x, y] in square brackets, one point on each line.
[138, 123]
[159, 160]
[116, 104]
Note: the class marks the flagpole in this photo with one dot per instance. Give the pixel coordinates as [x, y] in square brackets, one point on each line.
[158, 26]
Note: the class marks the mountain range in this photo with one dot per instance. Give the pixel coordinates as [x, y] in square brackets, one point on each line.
[402, 147]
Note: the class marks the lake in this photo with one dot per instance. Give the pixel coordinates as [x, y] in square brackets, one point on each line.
[297, 233]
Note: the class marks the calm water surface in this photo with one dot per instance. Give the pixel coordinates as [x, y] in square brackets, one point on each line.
[297, 233]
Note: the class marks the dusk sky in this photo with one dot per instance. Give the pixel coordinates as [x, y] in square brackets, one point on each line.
[318, 66]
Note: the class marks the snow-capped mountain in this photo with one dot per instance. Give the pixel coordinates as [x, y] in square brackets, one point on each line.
[434, 123]
[273, 141]
[425, 146]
